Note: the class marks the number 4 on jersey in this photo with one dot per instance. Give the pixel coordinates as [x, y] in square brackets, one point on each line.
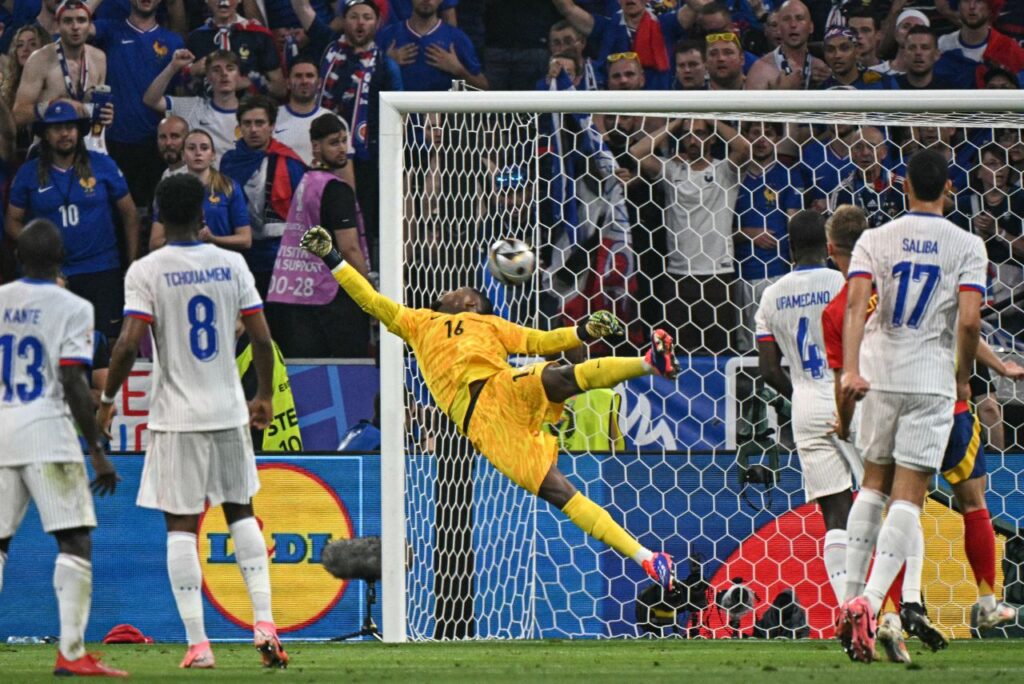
[810, 357]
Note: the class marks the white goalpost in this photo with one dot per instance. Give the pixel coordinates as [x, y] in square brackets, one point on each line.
[466, 554]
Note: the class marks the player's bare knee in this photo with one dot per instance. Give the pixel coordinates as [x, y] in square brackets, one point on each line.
[877, 477]
[910, 485]
[233, 512]
[835, 509]
[970, 494]
[75, 542]
[182, 523]
[556, 488]
[559, 383]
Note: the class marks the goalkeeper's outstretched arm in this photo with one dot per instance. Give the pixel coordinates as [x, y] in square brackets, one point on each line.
[520, 340]
[318, 241]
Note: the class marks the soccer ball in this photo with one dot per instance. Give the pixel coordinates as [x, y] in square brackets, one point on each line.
[511, 261]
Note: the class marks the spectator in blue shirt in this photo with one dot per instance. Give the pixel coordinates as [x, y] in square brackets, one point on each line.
[826, 158]
[400, 10]
[430, 52]
[78, 191]
[870, 185]
[225, 214]
[769, 194]
[633, 28]
[138, 49]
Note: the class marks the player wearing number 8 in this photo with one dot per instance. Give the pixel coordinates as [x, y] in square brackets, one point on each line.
[191, 293]
[78, 191]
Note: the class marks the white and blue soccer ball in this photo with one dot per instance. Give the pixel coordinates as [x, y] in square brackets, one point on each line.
[511, 261]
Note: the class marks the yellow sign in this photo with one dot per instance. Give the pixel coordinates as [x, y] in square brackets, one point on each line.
[299, 514]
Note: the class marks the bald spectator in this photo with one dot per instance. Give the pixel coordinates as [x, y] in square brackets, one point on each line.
[966, 52]
[894, 37]
[170, 143]
[841, 57]
[633, 28]
[870, 185]
[864, 24]
[790, 66]
[564, 38]
[625, 72]
[724, 61]
[691, 73]
[921, 52]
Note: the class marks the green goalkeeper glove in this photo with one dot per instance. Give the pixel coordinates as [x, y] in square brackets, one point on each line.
[599, 324]
[317, 241]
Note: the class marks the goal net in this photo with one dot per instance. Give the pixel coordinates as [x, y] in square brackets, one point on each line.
[669, 211]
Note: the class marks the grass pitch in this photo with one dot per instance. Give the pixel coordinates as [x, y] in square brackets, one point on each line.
[747, 662]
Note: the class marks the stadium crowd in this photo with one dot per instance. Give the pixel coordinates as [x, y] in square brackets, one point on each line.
[100, 99]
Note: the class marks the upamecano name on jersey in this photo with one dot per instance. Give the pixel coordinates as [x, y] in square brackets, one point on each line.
[803, 299]
[218, 273]
[920, 246]
[24, 316]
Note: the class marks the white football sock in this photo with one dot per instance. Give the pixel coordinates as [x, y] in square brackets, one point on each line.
[187, 583]
[895, 540]
[251, 554]
[862, 527]
[72, 580]
[3, 562]
[915, 565]
[834, 555]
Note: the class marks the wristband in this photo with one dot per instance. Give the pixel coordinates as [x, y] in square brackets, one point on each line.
[333, 259]
[105, 400]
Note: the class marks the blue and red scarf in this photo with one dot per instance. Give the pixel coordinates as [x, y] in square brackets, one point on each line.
[346, 74]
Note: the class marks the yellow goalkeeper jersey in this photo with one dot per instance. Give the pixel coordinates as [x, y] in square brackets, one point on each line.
[453, 350]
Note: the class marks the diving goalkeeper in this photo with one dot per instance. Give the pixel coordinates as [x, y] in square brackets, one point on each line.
[462, 350]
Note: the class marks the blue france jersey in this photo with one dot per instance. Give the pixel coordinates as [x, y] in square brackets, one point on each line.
[824, 167]
[81, 207]
[420, 75]
[764, 202]
[134, 58]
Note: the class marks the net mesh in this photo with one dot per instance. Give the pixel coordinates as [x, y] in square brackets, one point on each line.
[678, 222]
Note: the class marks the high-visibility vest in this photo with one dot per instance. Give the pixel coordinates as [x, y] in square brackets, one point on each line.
[283, 432]
[591, 422]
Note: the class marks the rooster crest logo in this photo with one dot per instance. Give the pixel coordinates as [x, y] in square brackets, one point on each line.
[88, 184]
[159, 49]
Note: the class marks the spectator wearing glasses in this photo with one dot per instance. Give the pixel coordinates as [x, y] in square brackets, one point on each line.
[564, 38]
[691, 73]
[724, 61]
[841, 58]
[700, 194]
[431, 53]
[633, 28]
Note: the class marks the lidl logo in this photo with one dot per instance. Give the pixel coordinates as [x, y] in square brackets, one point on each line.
[299, 515]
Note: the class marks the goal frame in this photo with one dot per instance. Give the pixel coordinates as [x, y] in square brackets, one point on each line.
[394, 106]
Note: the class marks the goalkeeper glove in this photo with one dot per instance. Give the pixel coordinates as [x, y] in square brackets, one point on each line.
[317, 241]
[597, 325]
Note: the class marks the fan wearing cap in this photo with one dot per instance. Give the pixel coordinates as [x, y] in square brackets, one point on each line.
[66, 69]
[79, 191]
[841, 57]
[966, 52]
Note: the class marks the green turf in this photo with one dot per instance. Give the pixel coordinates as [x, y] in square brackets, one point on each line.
[639, 662]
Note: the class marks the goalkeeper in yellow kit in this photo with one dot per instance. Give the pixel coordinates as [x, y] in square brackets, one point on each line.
[462, 350]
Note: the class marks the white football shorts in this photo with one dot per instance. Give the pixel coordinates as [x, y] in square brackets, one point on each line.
[825, 470]
[60, 490]
[911, 430]
[184, 470]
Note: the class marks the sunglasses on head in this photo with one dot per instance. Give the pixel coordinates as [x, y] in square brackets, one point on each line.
[616, 56]
[715, 37]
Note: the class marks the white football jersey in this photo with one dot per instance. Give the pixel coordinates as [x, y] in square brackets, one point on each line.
[42, 327]
[192, 293]
[919, 264]
[790, 316]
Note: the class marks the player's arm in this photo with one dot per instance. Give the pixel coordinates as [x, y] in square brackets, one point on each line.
[79, 400]
[519, 340]
[30, 88]
[130, 221]
[769, 363]
[968, 332]
[1008, 369]
[261, 410]
[122, 358]
[318, 241]
[854, 387]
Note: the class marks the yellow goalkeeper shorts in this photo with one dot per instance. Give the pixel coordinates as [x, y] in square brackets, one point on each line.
[507, 425]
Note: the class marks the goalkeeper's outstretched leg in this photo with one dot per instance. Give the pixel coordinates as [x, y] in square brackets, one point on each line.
[562, 382]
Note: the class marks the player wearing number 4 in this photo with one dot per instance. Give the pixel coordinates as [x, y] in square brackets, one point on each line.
[463, 349]
[917, 352]
[191, 294]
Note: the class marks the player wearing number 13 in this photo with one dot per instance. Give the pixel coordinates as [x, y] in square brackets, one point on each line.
[930, 276]
[191, 294]
[78, 190]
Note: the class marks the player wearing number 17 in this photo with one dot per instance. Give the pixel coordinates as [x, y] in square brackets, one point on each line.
[916, 352]
[462, 350]
[191, 294]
